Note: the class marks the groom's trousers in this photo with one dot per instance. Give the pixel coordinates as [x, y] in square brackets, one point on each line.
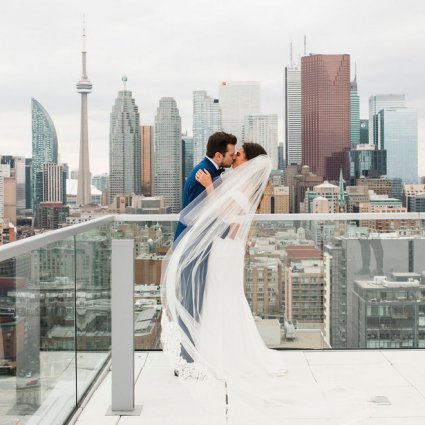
[192, 295]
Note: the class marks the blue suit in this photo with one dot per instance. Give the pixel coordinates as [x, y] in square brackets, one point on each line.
[192, 189]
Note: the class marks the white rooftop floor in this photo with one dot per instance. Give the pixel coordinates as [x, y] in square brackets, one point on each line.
[398, 375]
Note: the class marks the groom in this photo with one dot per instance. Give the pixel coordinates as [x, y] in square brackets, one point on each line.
[220, 154]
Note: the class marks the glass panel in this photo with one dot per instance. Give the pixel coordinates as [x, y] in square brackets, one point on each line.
[37, 337]
[152, 241]
[93, 304]
[311, 284]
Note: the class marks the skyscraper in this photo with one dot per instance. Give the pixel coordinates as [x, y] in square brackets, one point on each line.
[293, 114]
[28, 183]
[146, 144]
[398, 135]
[237, 99]
[124, 146]
[376, 103]
[187, 157]
[325, 104]
[54, 183]
[17, 170]
[206, 121]
[44, 147]
[262, 129]
[168, 154]
[354, 113]
[364, 132]
[280, 157]
[84, 87]
[4, 173]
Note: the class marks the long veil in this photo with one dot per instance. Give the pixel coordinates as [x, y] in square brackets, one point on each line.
[227, 212]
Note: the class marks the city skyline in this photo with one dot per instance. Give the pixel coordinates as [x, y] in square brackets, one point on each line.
[211, 57]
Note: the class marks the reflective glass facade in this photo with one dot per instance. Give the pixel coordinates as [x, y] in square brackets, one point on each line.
[398, 131]
[124, 147]
[168, 173]
[206, 121]
[325, 104]
[44, 147]
[368, 162]
[293, 114]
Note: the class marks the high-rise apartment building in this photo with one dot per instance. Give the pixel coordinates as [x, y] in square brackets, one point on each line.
[325, 106]
[263, 285]
[84, 87]
[293, 143]
[376, 104]
[124, 146]
[398, 135]
[350, 259]
[262, 129]
[147, 161]
[389, 312]
[44, 148]
[237, 99]
[168, 154]
[304, 284]
[54, 183]
[17, 171]
[354, 113]
[206, 121]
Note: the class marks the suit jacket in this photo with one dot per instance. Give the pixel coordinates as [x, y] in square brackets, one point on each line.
[192, 188]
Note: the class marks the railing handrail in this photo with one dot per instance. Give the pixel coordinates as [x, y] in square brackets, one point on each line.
[26, 245]
[287, 217]
[34, 242]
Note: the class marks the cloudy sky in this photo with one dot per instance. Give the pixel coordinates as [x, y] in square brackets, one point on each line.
[170, 48]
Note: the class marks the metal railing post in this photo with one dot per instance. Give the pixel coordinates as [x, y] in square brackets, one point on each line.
[122, 297]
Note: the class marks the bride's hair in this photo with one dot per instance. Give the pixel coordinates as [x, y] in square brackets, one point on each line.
[253, 150]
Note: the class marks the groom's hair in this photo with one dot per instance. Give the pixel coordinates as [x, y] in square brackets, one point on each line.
[218, 142]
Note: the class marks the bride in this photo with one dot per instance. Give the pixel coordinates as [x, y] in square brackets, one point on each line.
[218, 331]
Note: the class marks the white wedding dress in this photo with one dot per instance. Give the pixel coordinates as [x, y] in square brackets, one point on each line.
[216, 328]
[229, 340]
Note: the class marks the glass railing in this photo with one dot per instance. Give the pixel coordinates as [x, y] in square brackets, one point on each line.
[342, 281]
[313, 281]
[54, 321]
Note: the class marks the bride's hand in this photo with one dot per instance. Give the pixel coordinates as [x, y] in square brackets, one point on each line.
[204, 178]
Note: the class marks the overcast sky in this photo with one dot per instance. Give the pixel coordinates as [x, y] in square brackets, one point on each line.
[170, 48]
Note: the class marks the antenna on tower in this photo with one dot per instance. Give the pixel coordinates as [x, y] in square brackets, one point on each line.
[355, 71]
[290, 53]
[124, 82]
[84, 32]
[305, 45]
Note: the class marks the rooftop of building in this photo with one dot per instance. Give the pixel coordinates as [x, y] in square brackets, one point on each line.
[318, 382]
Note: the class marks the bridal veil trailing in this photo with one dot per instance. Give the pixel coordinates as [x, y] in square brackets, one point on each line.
[205, 312]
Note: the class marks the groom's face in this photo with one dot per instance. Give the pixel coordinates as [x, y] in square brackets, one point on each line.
[228, 157]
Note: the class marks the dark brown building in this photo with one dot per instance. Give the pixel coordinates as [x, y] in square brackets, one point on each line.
[325, 117]
[146, 150]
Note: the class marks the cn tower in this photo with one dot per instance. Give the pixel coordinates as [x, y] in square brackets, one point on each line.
[84, 87]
